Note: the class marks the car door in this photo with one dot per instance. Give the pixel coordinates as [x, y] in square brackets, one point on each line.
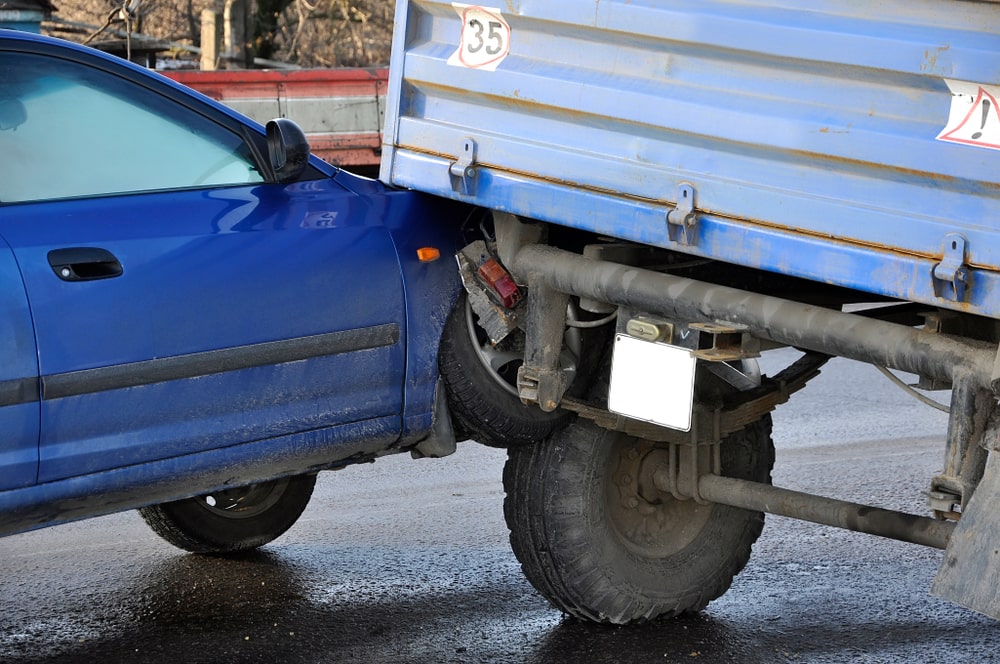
[180, 302]
[18, 380]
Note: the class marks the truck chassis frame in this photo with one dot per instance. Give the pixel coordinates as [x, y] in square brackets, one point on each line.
[687, 466]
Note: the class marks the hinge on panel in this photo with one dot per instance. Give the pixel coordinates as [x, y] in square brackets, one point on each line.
[682, 218]
[463, 171]
[951, 275]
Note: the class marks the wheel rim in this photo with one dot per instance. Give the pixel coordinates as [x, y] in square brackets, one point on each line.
[503, 360]
[244, 502]
[648, 522]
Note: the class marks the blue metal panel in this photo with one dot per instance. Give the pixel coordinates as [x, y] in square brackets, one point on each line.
[803, 127]
[431, 288]
[19, 408]
[208, 271]
[128, 487]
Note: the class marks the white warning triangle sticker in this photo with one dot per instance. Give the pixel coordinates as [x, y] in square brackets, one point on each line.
[974, 118]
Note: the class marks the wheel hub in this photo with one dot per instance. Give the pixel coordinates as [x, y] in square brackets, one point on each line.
[505, 358]
[244, 502]
[650, 522]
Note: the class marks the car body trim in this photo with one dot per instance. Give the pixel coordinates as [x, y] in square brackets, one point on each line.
[18, 391]
[134, 374]
[176, 478]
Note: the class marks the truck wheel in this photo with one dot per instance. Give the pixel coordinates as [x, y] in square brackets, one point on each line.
[599, 546]
[481, 381]
[232, 520]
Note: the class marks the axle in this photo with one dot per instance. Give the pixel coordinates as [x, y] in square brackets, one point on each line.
[817, 509]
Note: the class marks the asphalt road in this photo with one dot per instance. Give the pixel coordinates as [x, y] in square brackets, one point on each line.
[407, 561]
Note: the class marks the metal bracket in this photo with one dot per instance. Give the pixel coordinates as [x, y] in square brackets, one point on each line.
[544, 387]
[686, 464]
[951, 275]
[711, 425]
[973, 425]
[943, 504]
[543, 379]
[938, 322]
[729, 341]
[463, 171]
[682, 218]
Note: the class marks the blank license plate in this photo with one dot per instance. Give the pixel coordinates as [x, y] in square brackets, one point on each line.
[652, 382]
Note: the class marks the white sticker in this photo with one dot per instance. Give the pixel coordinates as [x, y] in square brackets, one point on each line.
[485, 38]
[974, 118]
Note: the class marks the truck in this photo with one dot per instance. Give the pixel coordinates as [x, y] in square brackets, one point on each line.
[676, 187]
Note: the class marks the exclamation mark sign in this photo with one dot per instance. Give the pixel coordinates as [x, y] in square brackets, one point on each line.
[986, 113]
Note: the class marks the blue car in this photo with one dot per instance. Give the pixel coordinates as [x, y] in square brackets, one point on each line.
[197, 314]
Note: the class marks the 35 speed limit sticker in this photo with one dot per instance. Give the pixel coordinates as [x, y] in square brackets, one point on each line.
[485, 38]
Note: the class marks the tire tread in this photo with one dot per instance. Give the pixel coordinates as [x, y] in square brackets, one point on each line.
[187, 525]
[547, 507]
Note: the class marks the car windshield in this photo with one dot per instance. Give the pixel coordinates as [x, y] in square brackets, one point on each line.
[70, 130]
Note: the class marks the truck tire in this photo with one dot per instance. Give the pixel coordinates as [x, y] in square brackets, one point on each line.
[233, 520]
[590, 543]
[481, 383]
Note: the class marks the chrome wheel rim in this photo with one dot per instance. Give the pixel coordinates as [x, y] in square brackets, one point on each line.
[503, 360]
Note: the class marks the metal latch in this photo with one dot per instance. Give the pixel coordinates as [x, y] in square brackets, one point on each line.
[682, 218]
[463, 171]
[951, 275]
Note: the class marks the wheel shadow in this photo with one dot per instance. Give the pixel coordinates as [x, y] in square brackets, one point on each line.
[309, 603]
[708, 639]
[687, 638]
[293, 604]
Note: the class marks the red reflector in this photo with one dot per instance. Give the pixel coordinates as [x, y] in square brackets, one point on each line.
[500, 282]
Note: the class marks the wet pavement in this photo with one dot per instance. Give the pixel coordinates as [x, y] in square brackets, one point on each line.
[407, 561]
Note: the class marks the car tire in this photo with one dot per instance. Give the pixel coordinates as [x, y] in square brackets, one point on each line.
[232, 520]
[590, 543]
[481, 381]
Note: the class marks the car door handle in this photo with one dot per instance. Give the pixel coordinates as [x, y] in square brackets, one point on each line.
[84, 264]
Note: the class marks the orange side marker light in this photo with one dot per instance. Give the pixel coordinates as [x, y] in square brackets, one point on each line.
[428, 254]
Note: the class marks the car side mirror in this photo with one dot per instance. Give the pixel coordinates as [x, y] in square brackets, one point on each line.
[287, 149]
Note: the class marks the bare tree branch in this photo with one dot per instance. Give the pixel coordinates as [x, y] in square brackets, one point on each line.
[309, 33]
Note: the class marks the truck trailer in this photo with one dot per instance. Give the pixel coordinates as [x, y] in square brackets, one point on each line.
[676, 187]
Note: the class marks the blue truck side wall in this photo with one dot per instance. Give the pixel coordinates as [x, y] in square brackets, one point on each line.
[819, 138]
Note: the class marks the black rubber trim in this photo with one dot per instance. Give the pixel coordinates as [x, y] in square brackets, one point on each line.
[133, 374]
[18, 391]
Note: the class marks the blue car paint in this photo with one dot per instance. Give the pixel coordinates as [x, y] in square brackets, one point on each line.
[190, 286]
[129, 487]
[240, 342]
[18, 387]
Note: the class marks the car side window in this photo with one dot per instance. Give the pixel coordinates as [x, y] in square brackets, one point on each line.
[69, 130]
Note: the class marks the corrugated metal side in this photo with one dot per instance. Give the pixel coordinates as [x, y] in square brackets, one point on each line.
[341, 110]
[807, 129]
